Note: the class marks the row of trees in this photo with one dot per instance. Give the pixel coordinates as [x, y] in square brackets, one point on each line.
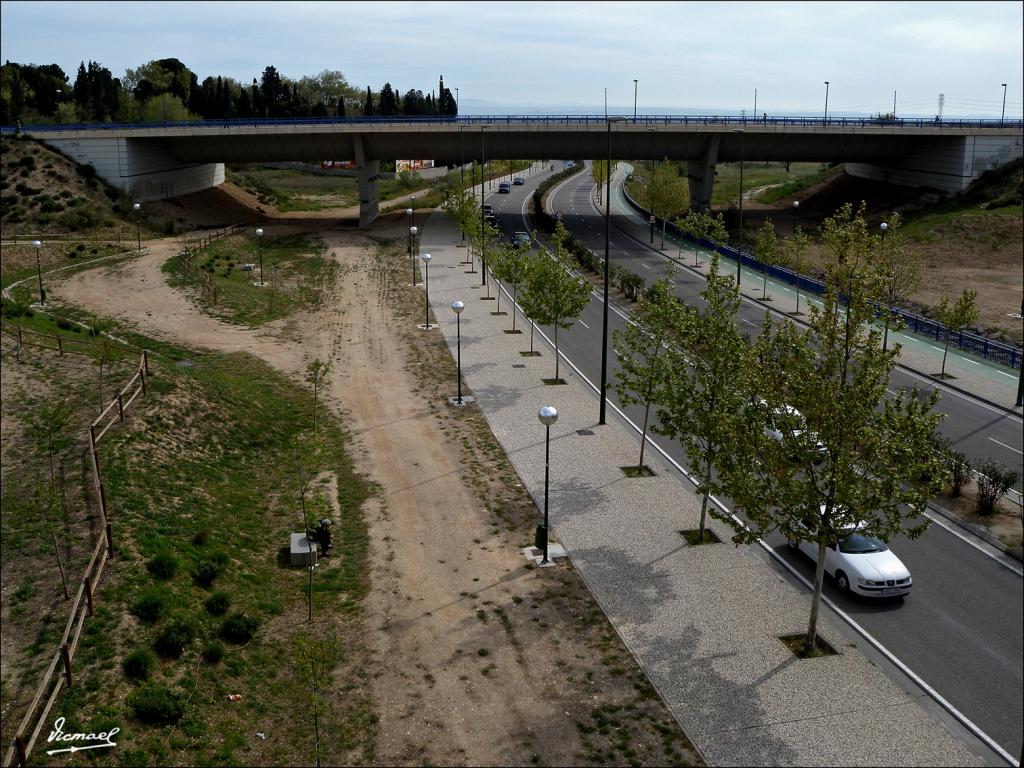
[167, 90]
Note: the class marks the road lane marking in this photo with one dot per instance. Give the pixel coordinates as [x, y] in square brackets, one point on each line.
[583, 324]
[743, 319]
[644, 265]
[1006, 446]
[1009, 375]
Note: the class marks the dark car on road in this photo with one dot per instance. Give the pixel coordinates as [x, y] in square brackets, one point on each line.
[521, 239]
[504, 187]
[518, 181]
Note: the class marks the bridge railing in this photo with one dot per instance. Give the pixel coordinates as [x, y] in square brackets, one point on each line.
[645, 120]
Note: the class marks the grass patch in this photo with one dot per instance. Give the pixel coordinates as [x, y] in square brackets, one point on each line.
[798, 645]
[633, 471]
[693, 537]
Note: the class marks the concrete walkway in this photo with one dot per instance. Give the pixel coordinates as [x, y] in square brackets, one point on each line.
[703, 622]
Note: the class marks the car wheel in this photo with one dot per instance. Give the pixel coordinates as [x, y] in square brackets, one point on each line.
[843, 582]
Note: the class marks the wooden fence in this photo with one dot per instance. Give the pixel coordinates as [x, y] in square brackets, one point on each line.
[63, 344]
[192, 249]
[32, 723]
[121, 234]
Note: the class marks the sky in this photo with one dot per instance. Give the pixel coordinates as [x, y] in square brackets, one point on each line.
[550, 57]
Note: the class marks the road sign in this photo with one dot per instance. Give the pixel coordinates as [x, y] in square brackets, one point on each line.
[558, 215]
[653, 218]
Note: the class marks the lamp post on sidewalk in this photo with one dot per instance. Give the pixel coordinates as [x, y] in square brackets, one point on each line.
[426, 291]
[259, 252]
[457, 307]
[412, 251]
[796, 210]
[483, 231]
[138, 225]
[607, 262]
[739, 252]
[881, 253]
[39, 273]
[548, 416]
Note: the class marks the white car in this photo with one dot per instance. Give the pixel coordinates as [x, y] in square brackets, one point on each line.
[861, 564]
[787, 420]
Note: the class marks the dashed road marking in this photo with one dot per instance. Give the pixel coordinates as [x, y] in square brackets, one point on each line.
[1006, 446]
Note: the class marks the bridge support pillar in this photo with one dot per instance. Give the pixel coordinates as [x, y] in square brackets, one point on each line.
[701, 173]
[368, 171]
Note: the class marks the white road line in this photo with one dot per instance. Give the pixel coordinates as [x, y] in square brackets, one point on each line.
[583, 324]
[972, 362]
[1009, 375]
[743, 319]
[937, 349]
[644, 265]
[1006, 446]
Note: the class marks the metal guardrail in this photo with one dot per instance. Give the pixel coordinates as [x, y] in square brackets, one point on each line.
[645, 120]
[997, 351]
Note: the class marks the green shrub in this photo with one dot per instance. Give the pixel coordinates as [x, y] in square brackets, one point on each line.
[173, 639]
[150, 604]
[156, 704]
[959, 472]
[64, 325]
[201, 536]
[994, 480]
[238, 628]
[218, 603]
[138, 664]
[163, 566]
[207, 570]
[213, 652]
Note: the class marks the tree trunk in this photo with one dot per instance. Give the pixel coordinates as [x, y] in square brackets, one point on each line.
[556, 351]
[663, 234]
[945, 351]
[532, 324]
[812, 624]
[885, 337]
[515, 294]
[704, 502]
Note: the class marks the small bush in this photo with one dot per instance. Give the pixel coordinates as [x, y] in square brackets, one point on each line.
[213, 652]
[993, 481]
[174, 637]
[201, 537]
[238, 628]
[64, 325]
[959, 472]
[206, 571]
[156, 704]
[163, 566]
[138, 664]
[151, 604]
[218, 603]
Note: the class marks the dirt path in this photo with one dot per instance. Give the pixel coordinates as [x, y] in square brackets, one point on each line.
[479, 659]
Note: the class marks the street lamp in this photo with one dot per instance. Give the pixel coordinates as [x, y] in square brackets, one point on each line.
[796, 210]
[483, 231]
[884, 227]
[607, 262]
[651, 178]
[634, 100]
[457, 307]
[426, 291]
[548, 416]
[456, 101]
[1003, 113]
[739, 254]
[408, 244]
[825, 119]
[138, 225]
[259, 252]
[39, 274]
[462, 159]
[412, 249]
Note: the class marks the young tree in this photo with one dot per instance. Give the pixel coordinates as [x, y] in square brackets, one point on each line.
[702, 396]
[716, 231]
[553, 295]
[956, 317]
[316, 376]
[874, 449]
[50, 426]
[666, 194]
[642, 366]
[102, 348]
[513, 267]
[767, 253]
[696, 224]
[794, 253]
[900, 270]
[599, 169]
[461, 207]
[316, 655]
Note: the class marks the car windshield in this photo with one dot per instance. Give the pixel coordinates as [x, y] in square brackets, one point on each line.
[858, 543]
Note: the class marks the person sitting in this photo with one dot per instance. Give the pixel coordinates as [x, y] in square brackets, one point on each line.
[322, 534]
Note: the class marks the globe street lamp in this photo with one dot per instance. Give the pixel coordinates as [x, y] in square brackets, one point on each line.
[607, 262]
[259, 252]
[412, 250]
[796, 210]
[39, 274]
[651, 179]
[408, 244]
[483, 231]
[739, 253]
[138, 225]
[884, 227]
[457, 307]
[825, 119]
[548, 416]
[426, 291]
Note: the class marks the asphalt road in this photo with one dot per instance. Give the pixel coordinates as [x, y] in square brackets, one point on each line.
[962, 628]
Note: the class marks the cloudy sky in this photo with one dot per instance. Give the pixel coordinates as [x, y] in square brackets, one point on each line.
[558, 55]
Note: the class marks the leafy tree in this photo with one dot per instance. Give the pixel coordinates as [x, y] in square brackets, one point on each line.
[368, 104]
[512, 266]
[165, 108]
[642, 366]
[696, 224]
[767, 253]
[702, 395]
[900, 270]
[50, 426]
[388, 103]
[994, 480]
[956, 317]
[273, 92]
[666, 194]
[553, 295]
[315, 656]
[599, 170]
[874, 449]
[794, 254]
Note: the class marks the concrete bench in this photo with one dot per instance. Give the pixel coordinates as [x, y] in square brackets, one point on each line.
[302, 550]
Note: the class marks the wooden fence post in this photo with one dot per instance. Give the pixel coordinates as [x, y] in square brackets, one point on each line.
[63, 577]
[19, 743]
[120, 407]
[110, 541]
[145, 362]
[88, 592]
[60, 346]
[97, 479]
[67, 662]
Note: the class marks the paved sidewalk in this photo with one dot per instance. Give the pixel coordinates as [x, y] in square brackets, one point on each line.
[977, 376]
[703, 622]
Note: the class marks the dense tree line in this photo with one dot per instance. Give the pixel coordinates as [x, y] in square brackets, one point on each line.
[167, 90]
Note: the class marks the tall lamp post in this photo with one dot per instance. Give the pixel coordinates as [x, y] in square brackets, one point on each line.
[739, 254]
[138, 225]
[825, 119]
[607, 262]
[426, 291]
[796, 210]
[39, 273]
[408, 244]
[483, 231]
[259, 252]
[548, 416]
[457, 307]
[1003, 113]
[412, 251]
[462, 157]
[1020, 377]
[635, 81]
[651, 178]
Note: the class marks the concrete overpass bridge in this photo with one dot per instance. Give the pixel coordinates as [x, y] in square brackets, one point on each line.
[159, 161]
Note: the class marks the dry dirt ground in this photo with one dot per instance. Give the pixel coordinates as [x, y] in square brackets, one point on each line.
[478, 658]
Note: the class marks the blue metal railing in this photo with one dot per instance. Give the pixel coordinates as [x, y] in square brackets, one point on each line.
[643, 120]
[990, 349]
